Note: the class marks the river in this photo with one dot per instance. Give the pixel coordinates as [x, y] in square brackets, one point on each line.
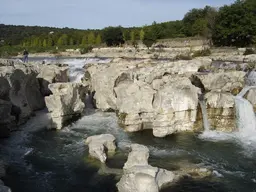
[41, 160]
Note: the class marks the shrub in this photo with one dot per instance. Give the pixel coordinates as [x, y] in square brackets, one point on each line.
[202, 53]
[249, 51]
[86, 49]
[183, 57]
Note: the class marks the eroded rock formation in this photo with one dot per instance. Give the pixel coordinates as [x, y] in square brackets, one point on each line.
[101, 145]
[65, 103]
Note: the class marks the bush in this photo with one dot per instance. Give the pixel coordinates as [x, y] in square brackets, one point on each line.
[202, 53]
[86, 49]
[113, 36]
[249, 51]
[184, 57]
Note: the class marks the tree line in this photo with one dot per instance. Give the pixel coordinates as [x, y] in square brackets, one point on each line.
[230, 25]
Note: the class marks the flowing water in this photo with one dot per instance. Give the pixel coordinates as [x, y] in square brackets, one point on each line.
[44, 161]
[57, 161]
[205, 116]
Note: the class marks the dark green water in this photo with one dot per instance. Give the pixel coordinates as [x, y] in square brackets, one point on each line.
[57, 161]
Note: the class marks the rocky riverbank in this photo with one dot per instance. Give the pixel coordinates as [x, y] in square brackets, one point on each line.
[162, 95]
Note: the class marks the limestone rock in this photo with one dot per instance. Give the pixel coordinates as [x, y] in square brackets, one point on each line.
[134, 97]
[176, 107]
[221, 111]
[251, 78]
[138, 156]
[4, 189]
[22, 89]
[223, 82]
[99, 145]
[65, 103]
[2, 168]
[251, 97]
[139, 176]
[6, 120]
[49, 74]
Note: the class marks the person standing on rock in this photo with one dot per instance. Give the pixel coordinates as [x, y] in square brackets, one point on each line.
[25, 56]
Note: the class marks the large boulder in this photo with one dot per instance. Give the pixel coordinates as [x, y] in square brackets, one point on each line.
[232, 81]
[138, 156]
[22, 90]
[221, 111]
[102, 82]
[176, 106]
[49, 74]
[65, 103]
[99, 145]
[4, 188]
[139, 176]
[171, 107]
[6, 119]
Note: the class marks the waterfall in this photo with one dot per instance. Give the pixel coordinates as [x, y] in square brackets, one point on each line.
[205, 116]
[246, 120]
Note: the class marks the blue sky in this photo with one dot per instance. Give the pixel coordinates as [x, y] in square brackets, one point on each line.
[97, 13]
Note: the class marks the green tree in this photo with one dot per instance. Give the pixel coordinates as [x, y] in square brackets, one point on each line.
[50, 42]
[113, 36]
[132, 36]
[142, 34]
[149, 37]
[126, 35]
[84, 40]
[91, 38]
[63, 40]
[45, 43]
[71, 41]
[236, 24]
[98, 39]
[200, 28]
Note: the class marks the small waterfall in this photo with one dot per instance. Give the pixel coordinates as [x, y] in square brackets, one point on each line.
[207, 127]
[246, 120]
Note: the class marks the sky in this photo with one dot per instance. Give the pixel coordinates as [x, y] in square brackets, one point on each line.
[97, 14]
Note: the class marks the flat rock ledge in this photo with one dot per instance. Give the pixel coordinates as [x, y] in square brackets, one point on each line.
[101, 145]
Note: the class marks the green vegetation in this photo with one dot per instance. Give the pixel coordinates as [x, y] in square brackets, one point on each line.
[231, 25]
[201, 53]
[149, 37]
[249, 51]
[113, 36]
[236, 24]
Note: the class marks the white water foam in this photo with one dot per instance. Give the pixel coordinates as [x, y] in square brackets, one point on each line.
[76, 71]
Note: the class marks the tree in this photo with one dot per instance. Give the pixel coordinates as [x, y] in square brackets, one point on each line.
[126, 35]
[84, 40]
[199, 28]
[50, 42]
[44, 43]
[63, 40]
[142, 34]
[71, 41]
[236, 24]
[91, 38]
[132, 36]
[113, 36]
[98, 40]
[149, 37]
[156, 29]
